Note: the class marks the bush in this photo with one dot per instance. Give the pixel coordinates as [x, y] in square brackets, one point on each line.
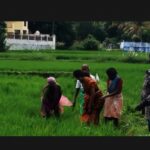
[77, 45]
[132, 59]
[90, 43]
[111, 43]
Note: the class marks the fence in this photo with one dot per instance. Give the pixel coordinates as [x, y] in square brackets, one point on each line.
[30, 41]
[41, 37]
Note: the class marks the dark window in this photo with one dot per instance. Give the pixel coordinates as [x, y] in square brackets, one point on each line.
[17, 34]
[17, 31]
[25, 23]
[24, 32]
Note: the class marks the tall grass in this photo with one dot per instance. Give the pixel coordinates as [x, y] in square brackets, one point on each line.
[20, 107]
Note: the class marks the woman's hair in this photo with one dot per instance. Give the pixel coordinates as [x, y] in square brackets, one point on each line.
[80, 73]
[111, 71]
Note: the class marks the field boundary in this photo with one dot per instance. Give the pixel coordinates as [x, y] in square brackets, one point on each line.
[36, 73]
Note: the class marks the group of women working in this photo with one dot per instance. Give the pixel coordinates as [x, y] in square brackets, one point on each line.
[92, 100]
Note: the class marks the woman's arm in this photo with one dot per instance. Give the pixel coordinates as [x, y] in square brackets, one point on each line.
[75, 96]
[117, 91]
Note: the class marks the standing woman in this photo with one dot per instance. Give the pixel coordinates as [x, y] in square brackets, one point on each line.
[114, 99]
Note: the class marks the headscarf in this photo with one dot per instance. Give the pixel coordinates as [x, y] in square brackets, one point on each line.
[51, 79]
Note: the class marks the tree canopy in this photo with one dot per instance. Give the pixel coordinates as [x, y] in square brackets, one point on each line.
[104, 31]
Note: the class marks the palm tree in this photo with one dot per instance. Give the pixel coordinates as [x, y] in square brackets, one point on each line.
[134, 29]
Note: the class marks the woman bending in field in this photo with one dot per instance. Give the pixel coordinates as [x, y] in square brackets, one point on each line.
[92, 104]
[51, 95]
[79, 88]
[114, 99]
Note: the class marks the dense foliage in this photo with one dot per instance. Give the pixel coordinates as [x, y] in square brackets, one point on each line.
[109, 33]
[2, 36]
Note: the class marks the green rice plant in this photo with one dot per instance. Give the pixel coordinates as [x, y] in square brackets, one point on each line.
[20, 95]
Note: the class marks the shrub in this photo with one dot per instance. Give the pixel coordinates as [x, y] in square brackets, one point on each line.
[77, 45]
[132, 59]
[90, 43]
[111, 43]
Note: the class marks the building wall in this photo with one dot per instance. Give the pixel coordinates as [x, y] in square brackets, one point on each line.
[17, 25]
[17, 44]
[135, 46]
[26, 44]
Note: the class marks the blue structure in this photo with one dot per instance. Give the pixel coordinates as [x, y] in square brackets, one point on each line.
[135, 46]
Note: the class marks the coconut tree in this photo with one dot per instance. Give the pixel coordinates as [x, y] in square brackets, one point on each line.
[134, 29]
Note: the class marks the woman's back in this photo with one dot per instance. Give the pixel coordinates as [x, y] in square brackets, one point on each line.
[52, 93]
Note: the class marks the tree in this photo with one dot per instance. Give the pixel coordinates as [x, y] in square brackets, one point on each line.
[112, 32]
[65, 33]
[134, 29]
[2, 36]
[95, 28]
[146, 35]
[83, 29]
[99, 32]
[44, 27]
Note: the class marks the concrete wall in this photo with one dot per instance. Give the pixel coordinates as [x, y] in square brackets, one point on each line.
[18, 44]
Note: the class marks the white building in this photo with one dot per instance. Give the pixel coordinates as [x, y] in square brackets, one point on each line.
[135, 46]
[18, 38]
